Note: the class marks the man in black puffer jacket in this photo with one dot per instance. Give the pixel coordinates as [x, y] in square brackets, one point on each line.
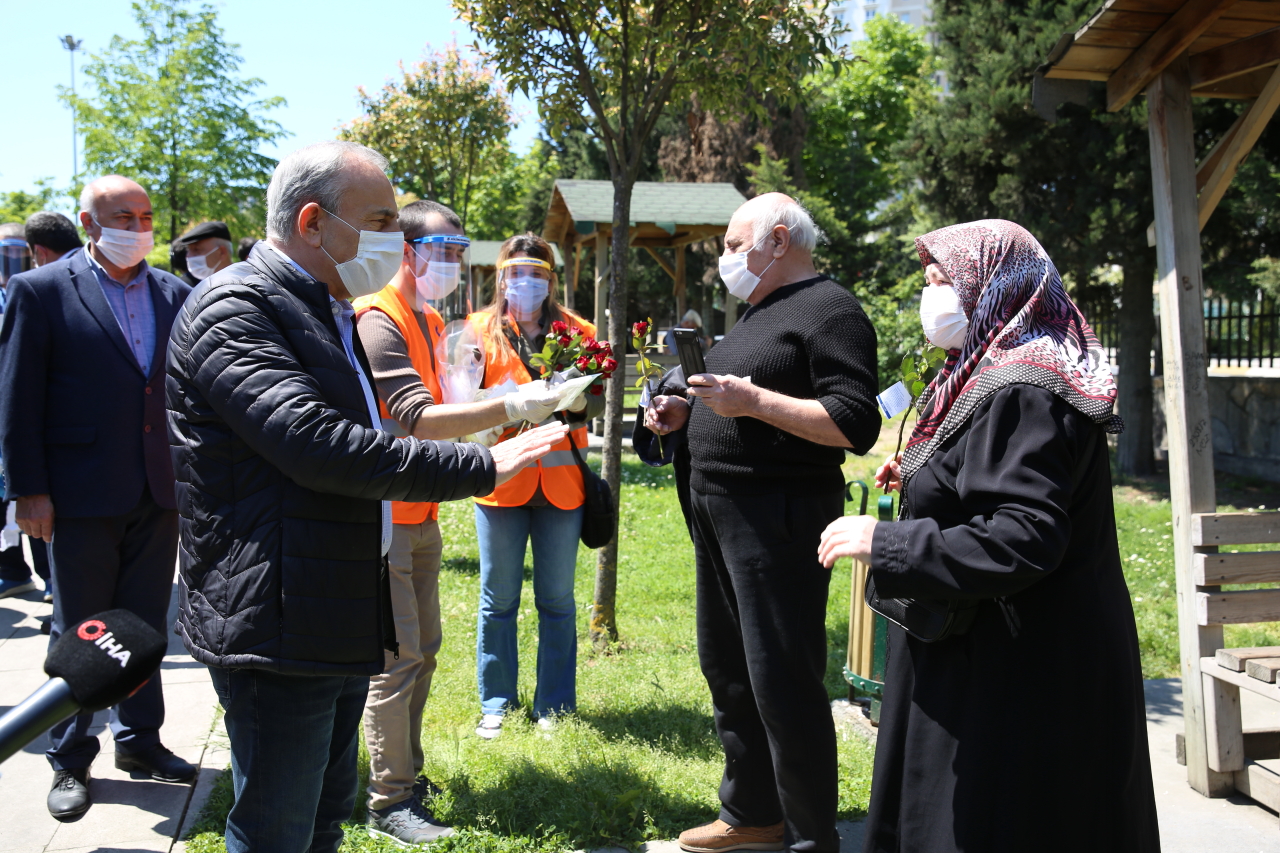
[282, 484]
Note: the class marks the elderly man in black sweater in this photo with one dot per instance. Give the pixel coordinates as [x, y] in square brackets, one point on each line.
[790, 387]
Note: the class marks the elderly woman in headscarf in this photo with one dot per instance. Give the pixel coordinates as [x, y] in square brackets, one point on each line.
[1013, 716]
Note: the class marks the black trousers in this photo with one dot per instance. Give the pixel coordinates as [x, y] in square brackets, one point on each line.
[101, 564]
[762, 644]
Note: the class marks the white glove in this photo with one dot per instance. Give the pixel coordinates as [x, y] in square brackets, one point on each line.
[489, 437]
[579, 403]
[533, 402]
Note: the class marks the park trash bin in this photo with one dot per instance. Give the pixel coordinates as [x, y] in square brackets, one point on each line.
[868, 630]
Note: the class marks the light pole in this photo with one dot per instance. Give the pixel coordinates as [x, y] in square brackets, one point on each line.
[71, 45]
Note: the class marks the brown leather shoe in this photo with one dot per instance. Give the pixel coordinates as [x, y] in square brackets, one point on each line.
[720, 837]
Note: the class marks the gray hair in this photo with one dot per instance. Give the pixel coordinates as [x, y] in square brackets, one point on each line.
[788, 212]
[311, 174]
[88, 196]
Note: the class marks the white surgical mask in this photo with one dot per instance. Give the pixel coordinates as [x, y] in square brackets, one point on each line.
[125, 249]
[377, 259]
[943, 317]
[440, 279]
[741, 281]
[525, 297]
[198, 268]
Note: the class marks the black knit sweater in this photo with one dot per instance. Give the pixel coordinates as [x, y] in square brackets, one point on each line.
[809, 340]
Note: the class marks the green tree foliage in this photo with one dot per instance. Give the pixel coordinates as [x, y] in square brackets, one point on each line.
[169, 111]
[443, 126]
[16, 206]
[856, 116]
[627, 60]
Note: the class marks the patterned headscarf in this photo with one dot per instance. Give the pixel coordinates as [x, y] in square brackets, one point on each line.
[1023, 328]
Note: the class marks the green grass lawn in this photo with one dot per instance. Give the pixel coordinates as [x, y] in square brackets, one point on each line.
[641, 760]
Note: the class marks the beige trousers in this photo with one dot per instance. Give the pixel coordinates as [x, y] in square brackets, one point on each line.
[393, 711]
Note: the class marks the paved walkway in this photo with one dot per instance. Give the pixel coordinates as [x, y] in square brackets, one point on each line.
[127, 814]
[142, 815]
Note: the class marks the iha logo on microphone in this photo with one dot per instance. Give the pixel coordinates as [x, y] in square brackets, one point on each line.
[95, 631]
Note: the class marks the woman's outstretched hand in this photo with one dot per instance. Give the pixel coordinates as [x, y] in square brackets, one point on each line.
[889, 475]
[510, 456]
[849, 536]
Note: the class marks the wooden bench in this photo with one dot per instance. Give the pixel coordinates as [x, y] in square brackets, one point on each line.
[1231, 749]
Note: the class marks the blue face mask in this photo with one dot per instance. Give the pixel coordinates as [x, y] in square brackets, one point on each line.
[525, 297]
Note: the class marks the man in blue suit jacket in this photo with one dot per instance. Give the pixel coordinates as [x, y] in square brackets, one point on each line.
[86, 453]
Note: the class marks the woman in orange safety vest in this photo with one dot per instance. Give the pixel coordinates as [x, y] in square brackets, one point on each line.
[542, 504]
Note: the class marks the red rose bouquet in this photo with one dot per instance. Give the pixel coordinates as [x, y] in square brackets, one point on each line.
[569, 349]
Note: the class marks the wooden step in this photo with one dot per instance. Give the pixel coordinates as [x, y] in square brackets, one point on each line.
[1235, 659]
[1263, 669]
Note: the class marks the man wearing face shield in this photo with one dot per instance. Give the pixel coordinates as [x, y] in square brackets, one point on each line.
[82, 430]
[202, 251]
[15, 256]
[401, 326]
[786, 392]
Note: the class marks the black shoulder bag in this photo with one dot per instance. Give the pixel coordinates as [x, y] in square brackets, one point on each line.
[598, 511]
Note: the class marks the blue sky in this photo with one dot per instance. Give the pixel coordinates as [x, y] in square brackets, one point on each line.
[313, 53]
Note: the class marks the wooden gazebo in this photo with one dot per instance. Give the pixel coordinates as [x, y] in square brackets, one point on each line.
[663, 216]
[1172, 51]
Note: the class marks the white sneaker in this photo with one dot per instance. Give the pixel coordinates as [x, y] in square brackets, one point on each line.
[490, 726]
[546, 725]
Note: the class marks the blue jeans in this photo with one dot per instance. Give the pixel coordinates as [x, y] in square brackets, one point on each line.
[503, 533]
[293, 758]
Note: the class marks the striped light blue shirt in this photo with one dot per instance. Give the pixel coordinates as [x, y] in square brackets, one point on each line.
[131, 303]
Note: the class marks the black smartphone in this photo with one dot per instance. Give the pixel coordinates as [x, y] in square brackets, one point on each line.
[689, 348]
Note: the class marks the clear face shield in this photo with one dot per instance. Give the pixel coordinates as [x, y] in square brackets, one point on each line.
[442, 272]
[526, 283]
[15, 257]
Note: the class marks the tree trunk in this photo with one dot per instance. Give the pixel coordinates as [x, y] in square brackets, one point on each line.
[1135, 454]
[604, 623]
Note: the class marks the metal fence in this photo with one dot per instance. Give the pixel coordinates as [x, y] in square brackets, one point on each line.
[1238, 333]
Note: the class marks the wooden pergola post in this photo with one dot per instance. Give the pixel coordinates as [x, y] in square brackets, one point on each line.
[1191, 479]
[682, 296]
[571, 286]
[603, 238]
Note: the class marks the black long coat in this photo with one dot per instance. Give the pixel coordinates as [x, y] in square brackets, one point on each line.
[1028, 732]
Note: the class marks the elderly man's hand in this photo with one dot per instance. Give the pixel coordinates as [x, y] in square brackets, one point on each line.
[666, 414]
[34, 514]
[727, 396]
[512, 455]
[889, 475]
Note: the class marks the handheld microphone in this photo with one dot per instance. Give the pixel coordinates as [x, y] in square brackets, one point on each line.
[97, 664]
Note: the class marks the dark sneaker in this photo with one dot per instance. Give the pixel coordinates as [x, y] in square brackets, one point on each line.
[408, 822]
[158, 763]
[719, 837]
[69, 797]
[424, 789]
[8, 588]
[48, 595]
